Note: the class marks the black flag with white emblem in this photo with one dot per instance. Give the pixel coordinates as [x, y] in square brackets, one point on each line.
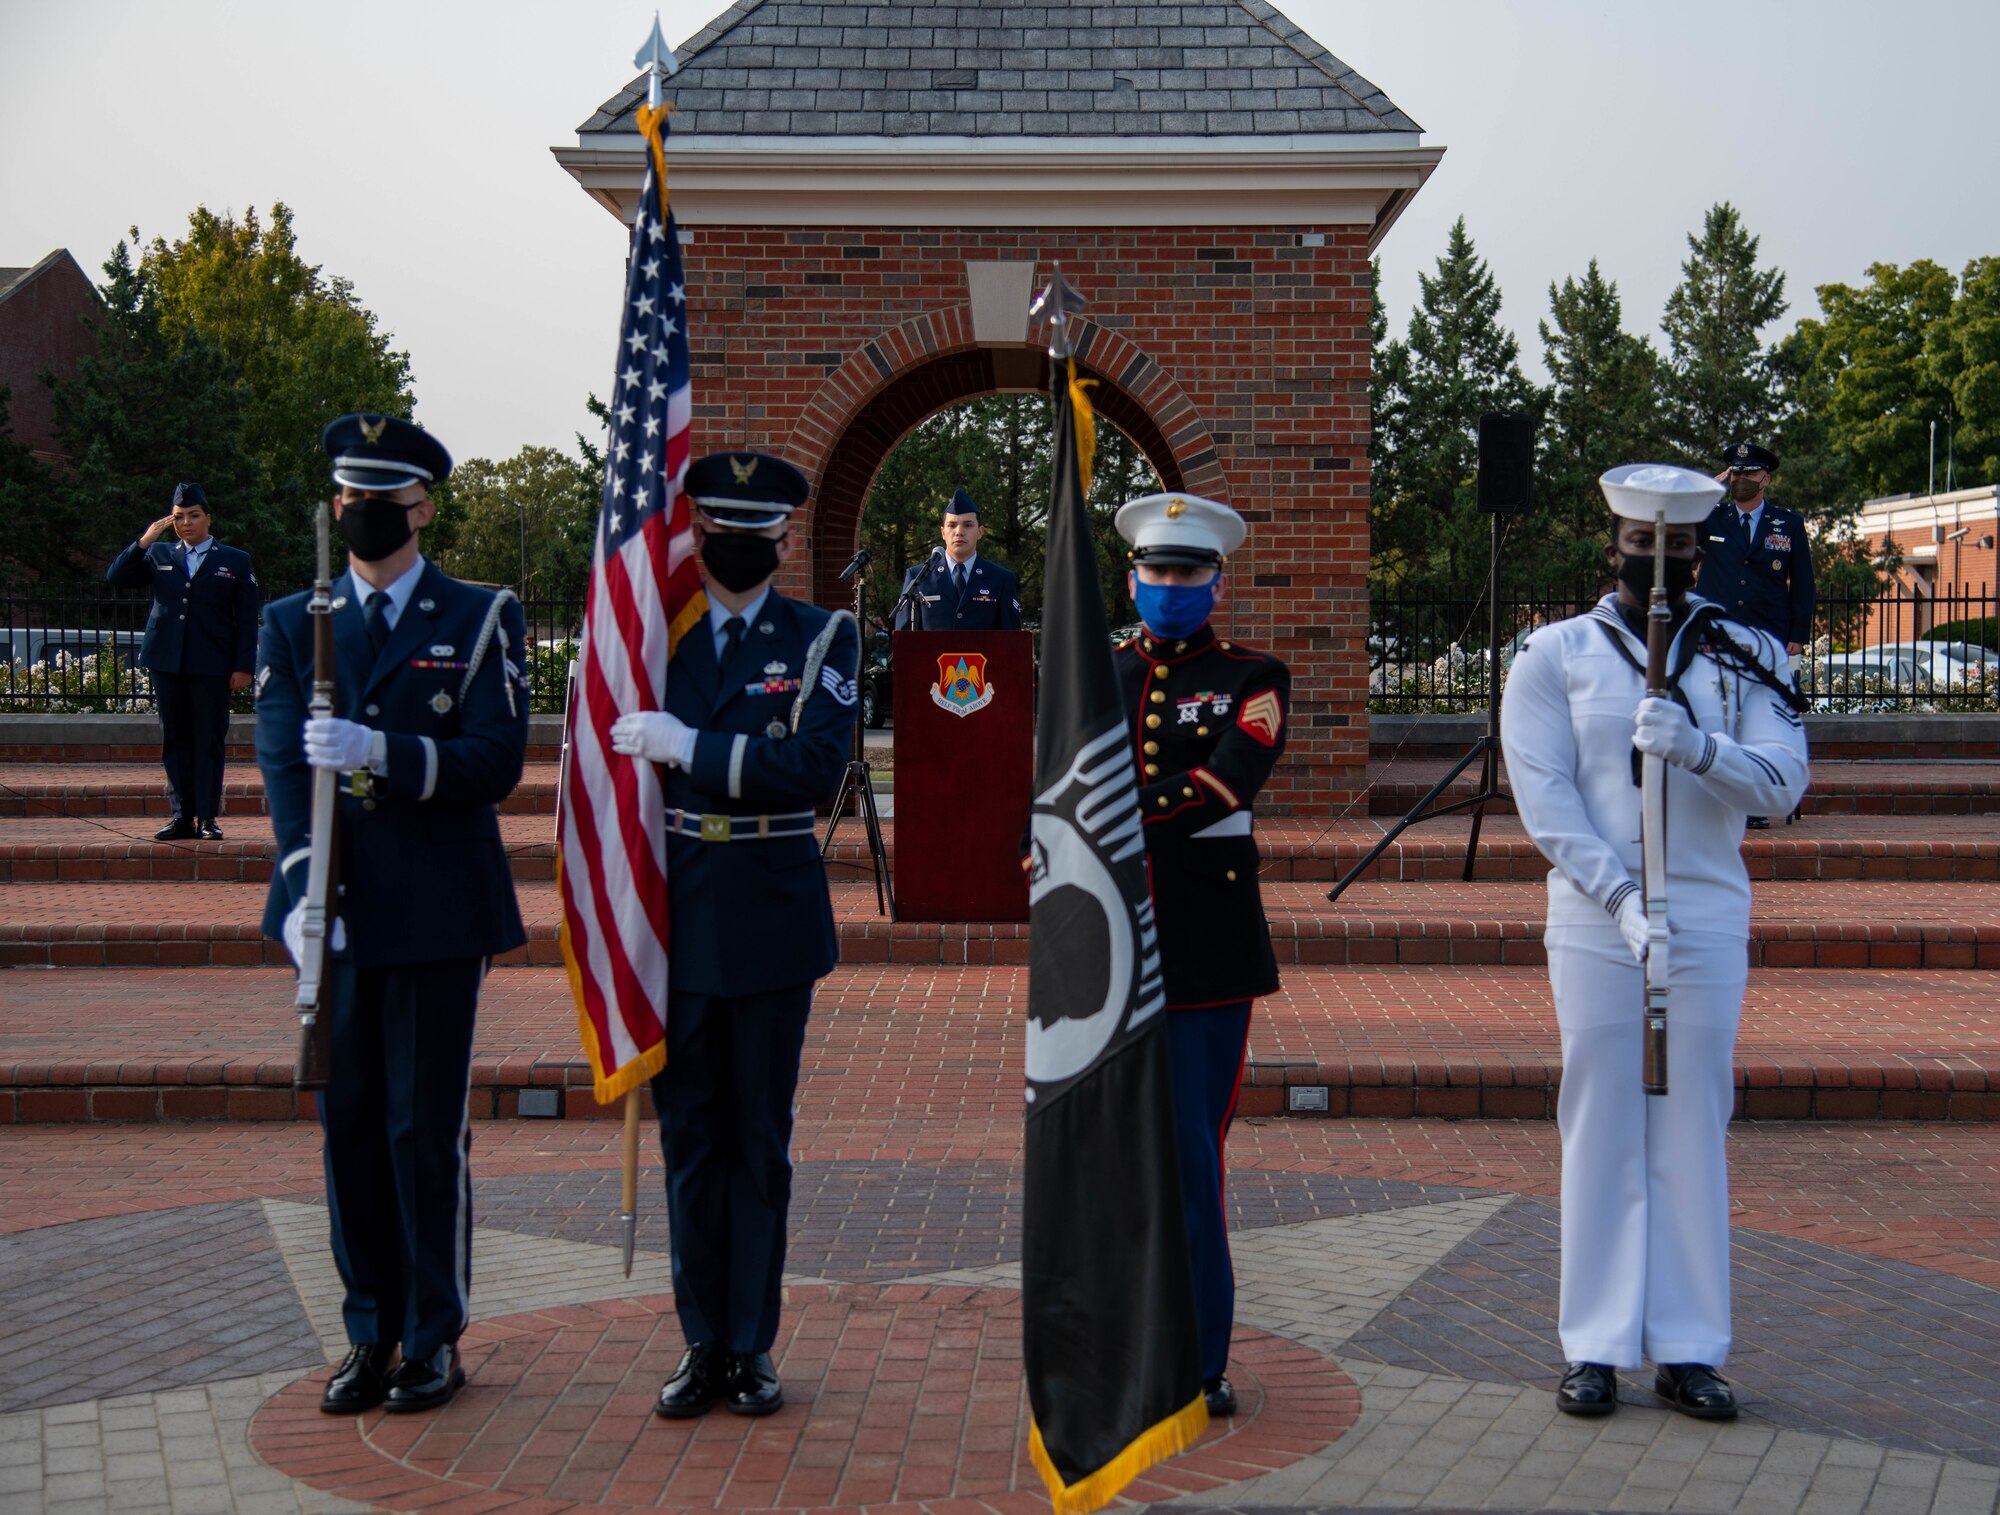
[1107, 1292]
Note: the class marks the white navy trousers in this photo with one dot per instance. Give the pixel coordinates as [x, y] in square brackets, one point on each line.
[1645, 1179]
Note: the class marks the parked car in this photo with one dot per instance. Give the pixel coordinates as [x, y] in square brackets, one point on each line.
[29, 645]
[878, 682]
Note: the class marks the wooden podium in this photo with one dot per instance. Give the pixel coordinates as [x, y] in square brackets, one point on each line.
[965, 771]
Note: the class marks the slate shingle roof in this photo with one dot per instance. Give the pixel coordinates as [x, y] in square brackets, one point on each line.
[1009, 68]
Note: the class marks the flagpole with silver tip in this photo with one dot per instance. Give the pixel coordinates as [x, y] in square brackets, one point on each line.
[1054, 305]
[657, 59]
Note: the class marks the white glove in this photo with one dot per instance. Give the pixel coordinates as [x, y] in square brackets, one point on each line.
[295, 933]
[1632, 925]
[1663, 727]
[655, 736]
[337, 744]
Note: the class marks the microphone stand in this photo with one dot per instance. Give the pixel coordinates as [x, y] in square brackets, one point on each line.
[858, 780]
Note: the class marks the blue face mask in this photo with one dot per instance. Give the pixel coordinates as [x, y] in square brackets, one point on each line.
[1174, 610]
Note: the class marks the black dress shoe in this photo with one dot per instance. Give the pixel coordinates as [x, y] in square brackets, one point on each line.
[176, 830]
[1221, 1396]
[361, 1381]
[210, 832]
[1588, 1388]
[1758, 823]
[1696, 1389]
[426, 1382]
[752, 1387]
[693, 1387]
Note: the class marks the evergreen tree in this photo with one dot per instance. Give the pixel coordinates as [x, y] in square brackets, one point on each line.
[1458, 363]
[1720, 387]
[1604, 409]
[151, 408]
[27, 490]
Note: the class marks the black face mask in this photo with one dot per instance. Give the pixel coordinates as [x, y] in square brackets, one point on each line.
[1636, 574]
[1743, 487]
[739, 560]
[374, 529]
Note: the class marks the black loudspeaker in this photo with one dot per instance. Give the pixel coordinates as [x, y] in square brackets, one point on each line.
[1506, 463]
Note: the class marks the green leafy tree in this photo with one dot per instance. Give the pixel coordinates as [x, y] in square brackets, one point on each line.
[540, 496]
[305, 347]
[1603, 410]
[1457, 363]
[1720, 388]
[1962, 353]
[152, 407]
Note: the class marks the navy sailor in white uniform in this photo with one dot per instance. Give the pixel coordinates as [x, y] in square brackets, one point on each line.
[1645, 1186]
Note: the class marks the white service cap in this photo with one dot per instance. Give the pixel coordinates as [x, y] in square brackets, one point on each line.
[1180, 529]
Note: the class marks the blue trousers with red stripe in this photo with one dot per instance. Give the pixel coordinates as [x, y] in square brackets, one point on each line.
[1208, 1047]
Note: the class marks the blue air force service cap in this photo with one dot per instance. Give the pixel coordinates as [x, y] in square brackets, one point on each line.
[1743, 457]
[189, 494]
[382, 453]
[961, 504]
[1640, 491]
[750, 490]
[1181, 530]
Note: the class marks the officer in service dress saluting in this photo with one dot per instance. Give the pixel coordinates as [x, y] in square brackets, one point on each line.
[1645, 1183]
[429, 738]
[1208, 720]
[759, 714]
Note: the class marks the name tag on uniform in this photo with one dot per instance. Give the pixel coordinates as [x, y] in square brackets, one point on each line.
[930, 599]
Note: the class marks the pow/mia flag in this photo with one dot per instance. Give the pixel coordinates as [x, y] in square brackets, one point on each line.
[1108, 1317]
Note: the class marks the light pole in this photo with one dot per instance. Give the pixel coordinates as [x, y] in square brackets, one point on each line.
[521, 510]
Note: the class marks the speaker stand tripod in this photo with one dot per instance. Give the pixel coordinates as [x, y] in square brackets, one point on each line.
[1485, 751]
[858, 781]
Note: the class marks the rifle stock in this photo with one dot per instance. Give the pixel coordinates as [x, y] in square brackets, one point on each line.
[315, 1059]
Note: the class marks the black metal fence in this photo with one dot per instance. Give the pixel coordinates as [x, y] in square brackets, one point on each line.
[78, 650]
[1894, 652]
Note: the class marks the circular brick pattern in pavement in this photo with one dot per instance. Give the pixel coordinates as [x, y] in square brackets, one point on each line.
[900, 1397]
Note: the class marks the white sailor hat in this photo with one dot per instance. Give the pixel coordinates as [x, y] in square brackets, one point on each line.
[1180, 529]
[1640, 491]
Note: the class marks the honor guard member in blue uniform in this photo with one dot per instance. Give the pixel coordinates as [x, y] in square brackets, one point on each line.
[201, 643]
[430, 735]
[1756, 562]
[1208, 720]
[759, 713]
[958, 590]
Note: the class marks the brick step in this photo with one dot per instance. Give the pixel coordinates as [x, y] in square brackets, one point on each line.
[217, 1044]
[1863, 924]
[1887, 787]
[92, 849]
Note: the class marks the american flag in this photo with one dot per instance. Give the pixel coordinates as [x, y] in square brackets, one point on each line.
[644, 592]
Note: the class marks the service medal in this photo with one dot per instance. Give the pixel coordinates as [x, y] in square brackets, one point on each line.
[441, 702]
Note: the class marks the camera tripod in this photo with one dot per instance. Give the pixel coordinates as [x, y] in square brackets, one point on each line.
[858, 781]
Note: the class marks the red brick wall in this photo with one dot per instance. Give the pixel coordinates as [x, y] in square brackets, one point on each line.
[41, 326]
[1238, 358]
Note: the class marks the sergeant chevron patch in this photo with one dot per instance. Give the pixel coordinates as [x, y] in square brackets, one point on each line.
[1262, 717]
[841, 689]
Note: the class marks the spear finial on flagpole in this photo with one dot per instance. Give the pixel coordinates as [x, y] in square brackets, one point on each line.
[1055, 305]
[659, 62]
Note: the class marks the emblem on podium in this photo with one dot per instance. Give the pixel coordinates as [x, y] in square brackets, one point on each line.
[961, 685]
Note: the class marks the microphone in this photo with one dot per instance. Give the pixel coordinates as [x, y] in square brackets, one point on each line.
[859, 561]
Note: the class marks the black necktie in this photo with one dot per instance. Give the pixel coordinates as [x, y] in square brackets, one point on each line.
[376, 619]
[1748, 517]
[732, 637]
[958, 580]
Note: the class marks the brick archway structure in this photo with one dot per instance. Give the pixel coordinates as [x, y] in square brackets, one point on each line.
[868, 194]
[897, 380]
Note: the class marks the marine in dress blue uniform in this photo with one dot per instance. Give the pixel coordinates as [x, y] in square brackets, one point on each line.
[201, 642]
[429, 737]
[957, 589]
[1756, 562]
[759, 713]
[1208, 720]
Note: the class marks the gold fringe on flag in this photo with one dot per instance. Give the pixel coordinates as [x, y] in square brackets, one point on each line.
[1086, 426]
[1094, 1491]
[615, 1085]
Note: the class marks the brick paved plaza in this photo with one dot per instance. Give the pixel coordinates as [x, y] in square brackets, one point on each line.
[169, 1301]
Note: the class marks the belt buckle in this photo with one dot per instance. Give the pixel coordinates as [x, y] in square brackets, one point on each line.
[715, 828]
[361, 783]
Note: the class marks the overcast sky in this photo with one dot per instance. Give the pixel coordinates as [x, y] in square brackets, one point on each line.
[412, 141]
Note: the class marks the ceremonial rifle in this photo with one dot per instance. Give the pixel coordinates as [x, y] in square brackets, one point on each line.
[315, 1059]
[1653, 822]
